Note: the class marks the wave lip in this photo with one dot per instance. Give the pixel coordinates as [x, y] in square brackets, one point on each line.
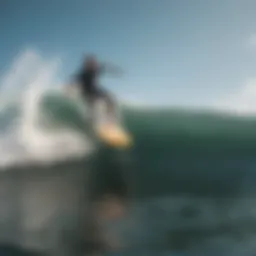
[26, 140]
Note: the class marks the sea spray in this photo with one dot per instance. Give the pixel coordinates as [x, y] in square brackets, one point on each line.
[26, 141]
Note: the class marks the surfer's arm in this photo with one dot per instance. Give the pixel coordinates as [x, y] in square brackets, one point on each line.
[69, 88]
[73, 85]
[111, 69]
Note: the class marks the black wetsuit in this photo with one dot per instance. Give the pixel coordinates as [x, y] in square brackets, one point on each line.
[87, 79]
[91, 91]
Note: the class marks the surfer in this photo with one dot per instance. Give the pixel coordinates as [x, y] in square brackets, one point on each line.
[102, 106]
[87, 79]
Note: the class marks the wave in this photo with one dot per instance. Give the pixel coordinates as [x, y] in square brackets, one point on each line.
[39, 124]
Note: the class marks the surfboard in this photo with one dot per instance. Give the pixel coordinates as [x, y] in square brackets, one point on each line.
[109, 129]
[114, 135]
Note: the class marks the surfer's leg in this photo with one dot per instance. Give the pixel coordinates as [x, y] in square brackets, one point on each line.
[89, 100]
[109, 101]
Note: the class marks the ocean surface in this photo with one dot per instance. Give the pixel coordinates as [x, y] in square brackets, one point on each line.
[190, 177]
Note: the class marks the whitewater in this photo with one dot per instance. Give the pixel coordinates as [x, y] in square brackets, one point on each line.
[24, 140]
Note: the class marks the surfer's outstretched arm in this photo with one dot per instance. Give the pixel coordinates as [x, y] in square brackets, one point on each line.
[70, 88]
[73, 86]
[111, 69]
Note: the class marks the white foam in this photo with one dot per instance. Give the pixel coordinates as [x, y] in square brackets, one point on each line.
[26, 142]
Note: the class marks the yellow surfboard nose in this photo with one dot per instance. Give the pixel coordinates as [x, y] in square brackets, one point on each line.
[114, 136]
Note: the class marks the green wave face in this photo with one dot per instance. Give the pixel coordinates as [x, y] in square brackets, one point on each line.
[178, 148]
[59, 111]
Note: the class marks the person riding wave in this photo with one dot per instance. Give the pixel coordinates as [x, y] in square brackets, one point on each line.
[87, 79]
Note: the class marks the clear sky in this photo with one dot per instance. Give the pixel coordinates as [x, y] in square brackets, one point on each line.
[177, 52]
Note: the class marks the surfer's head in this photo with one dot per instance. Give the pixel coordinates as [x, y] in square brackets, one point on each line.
[90, 62]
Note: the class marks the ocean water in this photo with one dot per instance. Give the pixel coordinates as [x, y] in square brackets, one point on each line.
[190, 177]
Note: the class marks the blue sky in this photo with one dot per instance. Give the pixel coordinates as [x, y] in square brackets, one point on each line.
[176, 52]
